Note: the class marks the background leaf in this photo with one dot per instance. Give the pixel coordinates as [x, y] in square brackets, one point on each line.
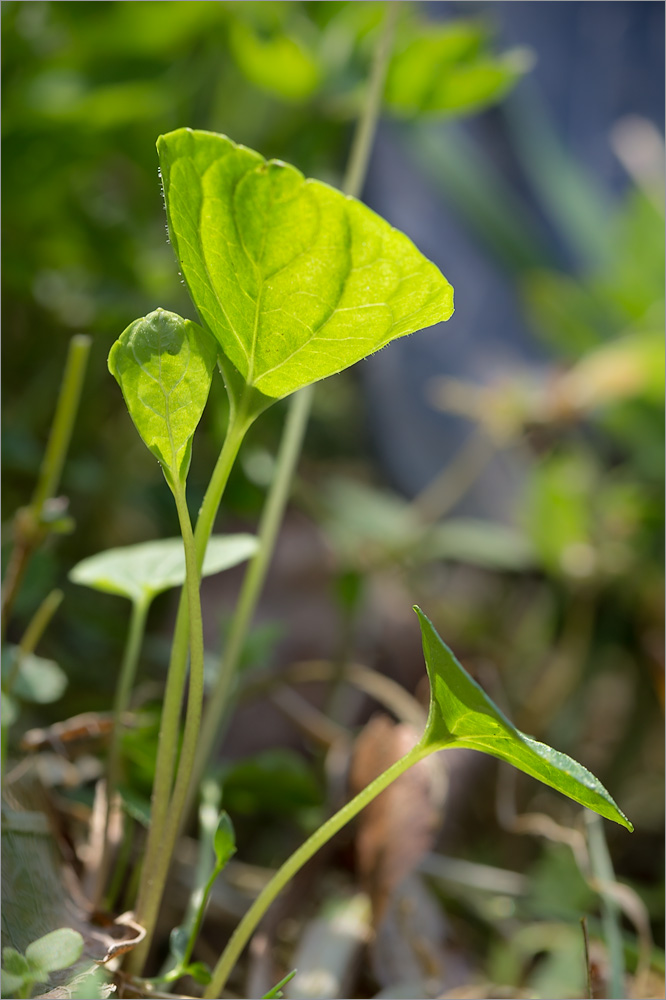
[39, 680]
[449, 70]
[140, 572]
[164, 366]
[295, 280]
[56, 950]
[15, 964]
[462, 715]
[280, 64]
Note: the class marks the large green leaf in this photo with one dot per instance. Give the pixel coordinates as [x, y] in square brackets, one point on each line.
[295, 280]
[164, 366]
[140, 572]
[462, 715]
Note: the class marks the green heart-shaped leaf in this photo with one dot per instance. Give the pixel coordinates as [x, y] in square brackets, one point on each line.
[462, 715]
[164, 366]
[140, 572]
[14, 964]
[295, 280]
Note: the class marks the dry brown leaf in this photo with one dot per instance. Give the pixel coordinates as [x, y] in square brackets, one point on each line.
[397, 829]
[118, 936]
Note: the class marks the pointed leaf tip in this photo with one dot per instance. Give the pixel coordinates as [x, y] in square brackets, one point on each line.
[462, 715]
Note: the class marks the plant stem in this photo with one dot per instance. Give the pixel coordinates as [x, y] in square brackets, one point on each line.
[63, 421]
[130, 661]
[29, 527]
[602, 871]
[171, 711]
[156, 865]
[198, 919]
[269, 525]
[247, 926]
[298, 414]
[33, 634]
[364, 136]
[120, 867]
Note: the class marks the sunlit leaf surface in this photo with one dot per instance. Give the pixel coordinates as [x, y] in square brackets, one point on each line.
[462, 715]
[295, 280]
[164, 366]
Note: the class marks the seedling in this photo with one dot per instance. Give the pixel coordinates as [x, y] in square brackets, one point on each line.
[293, 282]
[55, 951]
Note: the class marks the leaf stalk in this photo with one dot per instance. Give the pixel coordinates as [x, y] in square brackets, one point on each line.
[295, 862]
[162, 838]
[129, 664]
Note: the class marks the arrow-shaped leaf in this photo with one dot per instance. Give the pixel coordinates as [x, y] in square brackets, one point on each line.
[295, 280]
[462, 715]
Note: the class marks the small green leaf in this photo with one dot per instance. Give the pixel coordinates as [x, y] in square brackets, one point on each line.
[199, 971]
[15, 964]
[224, 840]
[295, 280]
[11, 984]
[140, 572]
[164, 366]
[39, 680]
[57, 950]
[462, 715]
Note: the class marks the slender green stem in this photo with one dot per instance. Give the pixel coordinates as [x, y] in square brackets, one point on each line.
[364, 136]
[33, 634]
[135, 634]
[171, 711]
[63, 421]
[239, 424]
[248, 924]
[602, 870]
[269, 525]
[157, 864]
[121, 865]
[198, 920]
[209, 809]
[29, 529]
